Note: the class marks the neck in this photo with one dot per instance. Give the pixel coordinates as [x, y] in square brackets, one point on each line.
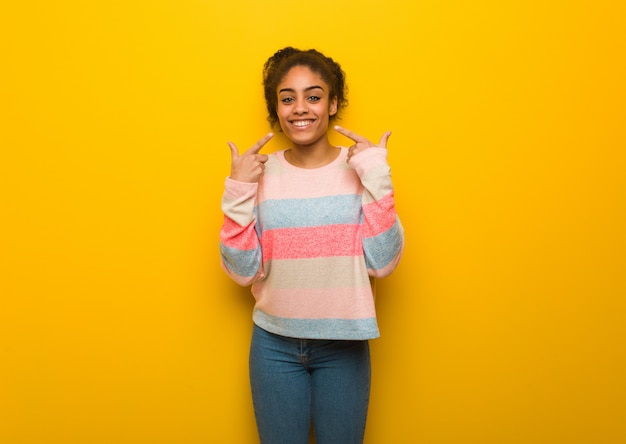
[312, 156]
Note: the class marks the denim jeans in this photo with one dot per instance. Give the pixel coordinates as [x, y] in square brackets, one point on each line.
[298, 381]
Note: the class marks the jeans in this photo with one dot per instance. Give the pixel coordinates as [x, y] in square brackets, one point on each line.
[298, 381]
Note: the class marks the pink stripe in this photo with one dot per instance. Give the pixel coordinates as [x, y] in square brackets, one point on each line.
[317, 303]
[312, 242]
[292, 186]
[234, 235]
[378, 217]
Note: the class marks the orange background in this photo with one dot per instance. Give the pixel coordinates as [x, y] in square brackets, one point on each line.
[505, 321]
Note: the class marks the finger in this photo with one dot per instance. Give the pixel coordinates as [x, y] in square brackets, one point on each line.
[234, 152]
[257, 146]
[350, 134]
[384, 138]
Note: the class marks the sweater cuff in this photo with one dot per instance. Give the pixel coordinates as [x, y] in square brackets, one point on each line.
[369, 159]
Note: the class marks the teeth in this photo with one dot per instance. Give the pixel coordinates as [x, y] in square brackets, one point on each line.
[302, 123]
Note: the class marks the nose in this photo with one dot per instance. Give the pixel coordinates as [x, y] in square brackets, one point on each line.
[301, 107]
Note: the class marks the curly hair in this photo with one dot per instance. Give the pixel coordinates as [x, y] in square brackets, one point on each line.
[277, 66]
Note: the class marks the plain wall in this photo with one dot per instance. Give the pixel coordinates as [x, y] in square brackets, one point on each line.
[505, 321]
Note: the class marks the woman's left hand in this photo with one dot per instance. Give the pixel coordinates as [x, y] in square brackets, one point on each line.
[361, 143]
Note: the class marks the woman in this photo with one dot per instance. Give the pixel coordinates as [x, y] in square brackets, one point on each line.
[310, 227]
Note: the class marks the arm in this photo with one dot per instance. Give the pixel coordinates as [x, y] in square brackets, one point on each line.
[383, 234]
[240, 249]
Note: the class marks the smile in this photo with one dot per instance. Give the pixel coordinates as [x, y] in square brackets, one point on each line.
[302, 123]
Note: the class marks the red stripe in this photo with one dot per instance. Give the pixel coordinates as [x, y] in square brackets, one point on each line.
[379, 216]
[312, 242]
[234, 235]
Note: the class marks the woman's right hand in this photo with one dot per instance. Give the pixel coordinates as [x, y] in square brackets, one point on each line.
[249, 166]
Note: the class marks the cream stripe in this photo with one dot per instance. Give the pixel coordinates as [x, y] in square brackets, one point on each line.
[331, 272]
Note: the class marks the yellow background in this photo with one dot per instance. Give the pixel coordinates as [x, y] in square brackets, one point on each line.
[504, 323]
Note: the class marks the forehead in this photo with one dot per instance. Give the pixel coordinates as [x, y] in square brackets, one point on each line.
[300, 77]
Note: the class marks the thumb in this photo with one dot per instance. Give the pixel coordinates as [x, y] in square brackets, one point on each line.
[234, 152]
[384, 138]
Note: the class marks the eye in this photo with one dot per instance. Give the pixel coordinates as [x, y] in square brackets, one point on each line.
[286, 100]
[314, 99]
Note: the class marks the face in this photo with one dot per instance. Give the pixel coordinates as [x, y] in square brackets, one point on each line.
[304, 106]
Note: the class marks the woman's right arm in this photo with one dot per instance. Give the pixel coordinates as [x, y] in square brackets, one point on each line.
[240, 249]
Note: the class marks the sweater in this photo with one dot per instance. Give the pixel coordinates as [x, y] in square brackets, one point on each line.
[311, 243]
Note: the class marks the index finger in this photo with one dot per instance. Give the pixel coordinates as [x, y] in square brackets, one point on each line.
[350, 134]
[254, 149]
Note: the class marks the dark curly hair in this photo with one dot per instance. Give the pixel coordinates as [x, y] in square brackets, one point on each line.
[284, 59]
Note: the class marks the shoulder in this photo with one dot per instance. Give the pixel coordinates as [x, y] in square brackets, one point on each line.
[274, 161]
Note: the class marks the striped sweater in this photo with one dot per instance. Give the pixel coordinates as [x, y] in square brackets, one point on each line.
[311, 242]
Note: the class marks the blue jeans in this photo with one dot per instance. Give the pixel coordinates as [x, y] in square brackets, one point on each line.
[298, 381]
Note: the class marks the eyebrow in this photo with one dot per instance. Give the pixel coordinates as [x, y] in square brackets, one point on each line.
[305, 89]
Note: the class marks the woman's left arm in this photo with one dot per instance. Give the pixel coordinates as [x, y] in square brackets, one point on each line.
[383, 234]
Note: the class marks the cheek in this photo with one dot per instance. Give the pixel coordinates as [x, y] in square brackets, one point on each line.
[282, 118]
[280, 111]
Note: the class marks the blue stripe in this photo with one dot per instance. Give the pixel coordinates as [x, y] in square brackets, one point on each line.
[382, 248]
[319, 211]
[340, 329]
[242, 262]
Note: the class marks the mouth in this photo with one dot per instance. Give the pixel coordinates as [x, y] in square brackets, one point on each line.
[302, 123]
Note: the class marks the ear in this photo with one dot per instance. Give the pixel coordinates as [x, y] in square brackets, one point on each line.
[332, 108]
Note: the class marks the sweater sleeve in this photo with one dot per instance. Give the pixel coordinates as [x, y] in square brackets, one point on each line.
[240, 249]
[383, 234]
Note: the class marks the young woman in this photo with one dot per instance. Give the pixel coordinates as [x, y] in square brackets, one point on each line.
[310, 227]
